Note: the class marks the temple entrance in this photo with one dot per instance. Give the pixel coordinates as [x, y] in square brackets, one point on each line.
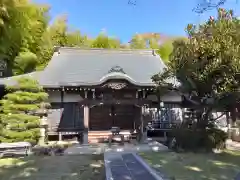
[106, 116]
[123, 116]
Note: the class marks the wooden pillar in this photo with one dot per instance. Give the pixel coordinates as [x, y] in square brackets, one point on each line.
[62, 97]
[142, 111]
[62, 106]
[93, 94]
[86, 124]
[140, 129]
[59, 136]
[137, 94]
[144, 94]
[86, 117]
[85, 121]
[85, 94]
[136, 117]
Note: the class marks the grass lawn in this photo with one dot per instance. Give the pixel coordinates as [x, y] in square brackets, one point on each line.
[78, 167]
[190, 166]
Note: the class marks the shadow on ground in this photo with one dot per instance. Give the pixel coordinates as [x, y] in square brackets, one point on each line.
[87, 167]
[191, 166]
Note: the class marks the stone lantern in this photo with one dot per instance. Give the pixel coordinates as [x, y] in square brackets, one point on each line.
[43, 125]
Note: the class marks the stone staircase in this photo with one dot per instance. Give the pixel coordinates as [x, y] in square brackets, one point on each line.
[98, 136]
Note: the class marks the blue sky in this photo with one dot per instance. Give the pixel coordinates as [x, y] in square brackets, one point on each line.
[121, 20]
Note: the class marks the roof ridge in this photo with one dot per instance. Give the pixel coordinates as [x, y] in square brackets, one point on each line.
[151, 51]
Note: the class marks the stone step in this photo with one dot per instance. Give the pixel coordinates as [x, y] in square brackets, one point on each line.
[102, 136]
[107, 132]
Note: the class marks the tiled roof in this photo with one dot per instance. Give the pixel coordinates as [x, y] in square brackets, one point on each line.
[12, 80]
[76, 67]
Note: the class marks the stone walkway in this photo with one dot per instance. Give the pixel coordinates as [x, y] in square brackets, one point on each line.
[127, 148]
[122, 162]
[127, 166]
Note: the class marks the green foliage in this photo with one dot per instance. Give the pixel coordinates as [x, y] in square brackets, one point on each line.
[208, 64]
[25, 62]
[23, 24]
[58, 31]
[165, 50]
[201, 139]
[138, 42]
[18, 119]
[103, 41]
[28, 39]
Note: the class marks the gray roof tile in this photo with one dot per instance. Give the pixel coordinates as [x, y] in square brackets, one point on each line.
[75, 67]
[89, 66]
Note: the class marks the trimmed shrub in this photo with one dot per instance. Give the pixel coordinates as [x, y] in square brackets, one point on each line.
[190, 139]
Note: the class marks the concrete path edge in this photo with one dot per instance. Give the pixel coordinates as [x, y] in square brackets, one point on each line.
[151, 170]
[108, 172]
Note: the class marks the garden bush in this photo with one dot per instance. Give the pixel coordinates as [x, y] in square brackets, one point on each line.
[19, 120]
[51, 149]
[193, 139]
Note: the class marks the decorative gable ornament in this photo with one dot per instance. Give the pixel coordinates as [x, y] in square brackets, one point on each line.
[117, 69]
[117, 86]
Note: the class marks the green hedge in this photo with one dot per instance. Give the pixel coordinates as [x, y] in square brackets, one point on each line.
[198, 139]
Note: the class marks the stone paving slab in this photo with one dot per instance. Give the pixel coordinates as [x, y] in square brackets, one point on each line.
[120, 172]
[125, 166]
[101, 148]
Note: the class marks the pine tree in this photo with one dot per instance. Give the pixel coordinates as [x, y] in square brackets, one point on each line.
[19, 120]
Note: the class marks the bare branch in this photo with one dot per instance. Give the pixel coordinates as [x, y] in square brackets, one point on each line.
[205, 5]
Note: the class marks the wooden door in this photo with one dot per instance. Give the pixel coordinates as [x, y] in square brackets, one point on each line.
[123, 116]
[100, 118]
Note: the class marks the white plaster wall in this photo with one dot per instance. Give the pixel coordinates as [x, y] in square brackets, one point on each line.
[56, 97]
[169, 97]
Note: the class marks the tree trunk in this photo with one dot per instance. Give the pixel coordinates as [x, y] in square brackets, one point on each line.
[229, 125]
[233, 114]
[203, 118]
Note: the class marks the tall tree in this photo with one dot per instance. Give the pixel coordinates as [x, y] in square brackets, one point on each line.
[25, 62]
[23, 23]
[103, 41]
[138, 42]
[18, 111]
[75, 39]
[165, 49]
[58, 31]
[208, 64]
